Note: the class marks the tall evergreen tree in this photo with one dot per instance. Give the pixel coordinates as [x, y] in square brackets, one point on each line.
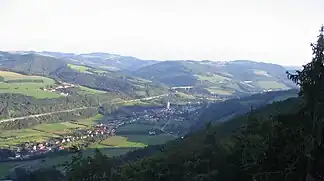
[311, 82]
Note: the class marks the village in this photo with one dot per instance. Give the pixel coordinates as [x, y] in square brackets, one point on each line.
[159, 118]
[66, 142]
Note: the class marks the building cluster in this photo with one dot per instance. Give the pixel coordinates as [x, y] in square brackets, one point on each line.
[163, 120]
[32, 149]
[59, 88]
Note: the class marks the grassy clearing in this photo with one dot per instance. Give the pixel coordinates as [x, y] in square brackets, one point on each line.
[135, 103]
[15, 137]
[149, 140]
[184, 95]
[117, 141]
[134, 127]
[218, 91]
[27, 88]
[7, 75]
[213, 79]
[87, 90]
[43, 132]
[80, 68]
[142, 135]
[111, 68]
[271, 85]
[57, 128]
[99, 71]
[260, 72]
[91, 120]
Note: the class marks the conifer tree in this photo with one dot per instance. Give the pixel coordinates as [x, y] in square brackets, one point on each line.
[311, 82]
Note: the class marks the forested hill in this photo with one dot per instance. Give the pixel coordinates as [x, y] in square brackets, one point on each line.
[106, 61]
[224, 111]
[222, 78]
[59, 69]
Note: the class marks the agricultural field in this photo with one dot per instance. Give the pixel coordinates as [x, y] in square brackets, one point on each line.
[118, 142]
[80, 68]
[215, 90]
[111, 68]
[213, 78]
[90, 121]
[86, 69]
[184, 95]
[15, 137]
[128, 138]
[57, 128]
[140, 133]
[271, 85]
[149, 139]
[26, 85]
[99, 71]
[87, 90]
[43, 132]
[136, 127]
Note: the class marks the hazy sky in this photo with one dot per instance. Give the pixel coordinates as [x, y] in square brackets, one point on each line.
[277, 31]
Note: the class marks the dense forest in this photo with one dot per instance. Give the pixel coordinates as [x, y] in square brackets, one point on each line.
[283, 141]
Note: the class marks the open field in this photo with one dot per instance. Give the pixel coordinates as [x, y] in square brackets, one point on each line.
[215, 90]
[271, 85]
[7, 75]
[136, 127]
[26, 88]
[43, 132]
[260, 72]
[87, 90]
[148, 139]
[140, 133]
[80, 68]
[117, 142]
[184, 95]
[57, 128]
[99, 71]
[111, 68]
[15, 137]
[92, 120]
[112, 146]
[213, 78]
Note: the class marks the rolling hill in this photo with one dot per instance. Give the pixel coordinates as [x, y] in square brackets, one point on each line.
[104, 61]
[135, 77]
[220, 78]
[60, 70]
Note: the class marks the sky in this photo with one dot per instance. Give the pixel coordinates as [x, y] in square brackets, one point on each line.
[274, 31]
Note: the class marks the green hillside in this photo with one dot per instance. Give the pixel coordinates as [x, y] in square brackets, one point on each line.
[61, 70]
[219, 78]
[11, 82]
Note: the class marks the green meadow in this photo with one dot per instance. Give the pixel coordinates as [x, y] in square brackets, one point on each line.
[26, 88]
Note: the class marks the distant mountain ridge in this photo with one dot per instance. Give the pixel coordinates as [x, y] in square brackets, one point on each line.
[225, 78]
[59, 69]
[220, 78]
[106, 61]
